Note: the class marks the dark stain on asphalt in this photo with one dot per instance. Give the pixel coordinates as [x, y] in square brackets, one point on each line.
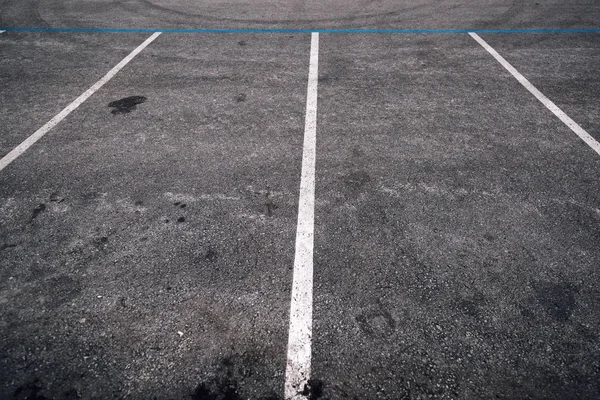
[240, 97]
[181, 219]
[211, 255]
[223, 390]
[63, 289]
[355, 182]
[56, 198]
[180, 204]
[7, 246]
[489, 237]
[30, 391]
[126, 105]
[36, 211]
[242, 43]
[270, 205]
[225, 384]
[313, 389]
[100, 242]
[472, 305]
[376, 322]
[558, 299]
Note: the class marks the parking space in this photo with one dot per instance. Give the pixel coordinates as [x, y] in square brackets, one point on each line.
[147, 252]
[40, 74]
[456, 229]
[563, 67]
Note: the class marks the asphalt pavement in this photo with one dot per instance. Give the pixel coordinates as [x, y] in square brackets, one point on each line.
[147, 240]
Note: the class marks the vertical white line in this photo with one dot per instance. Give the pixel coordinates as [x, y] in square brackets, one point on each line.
[37, 135]
[300, 334]
[574, 126]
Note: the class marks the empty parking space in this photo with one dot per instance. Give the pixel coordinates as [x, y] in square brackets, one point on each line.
[456, 228]
[148, 251]
[563, 67]
[40, 74]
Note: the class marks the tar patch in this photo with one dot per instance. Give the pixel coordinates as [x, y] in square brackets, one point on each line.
[126, 105]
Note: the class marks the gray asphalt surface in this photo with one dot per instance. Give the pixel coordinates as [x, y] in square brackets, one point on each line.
[147, 251]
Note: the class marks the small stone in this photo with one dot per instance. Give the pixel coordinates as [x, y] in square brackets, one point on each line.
[180, 333]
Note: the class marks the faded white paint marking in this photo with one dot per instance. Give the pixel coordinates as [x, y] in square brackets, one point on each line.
[37, 135]
[300, 334]
[574, 126]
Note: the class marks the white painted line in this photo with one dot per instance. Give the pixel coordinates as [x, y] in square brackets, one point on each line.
[299, 340]
[37, 135]
[579, 131]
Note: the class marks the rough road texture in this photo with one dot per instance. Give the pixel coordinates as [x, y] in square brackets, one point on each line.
[146, 243]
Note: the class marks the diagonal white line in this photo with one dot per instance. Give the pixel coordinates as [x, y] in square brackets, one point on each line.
[37, 135]
[300, 333]
[574, 126]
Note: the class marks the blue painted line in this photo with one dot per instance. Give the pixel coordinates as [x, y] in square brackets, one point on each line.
[389, 31]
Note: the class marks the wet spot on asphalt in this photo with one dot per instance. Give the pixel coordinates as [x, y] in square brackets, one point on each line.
[126, 105]
[181, 219]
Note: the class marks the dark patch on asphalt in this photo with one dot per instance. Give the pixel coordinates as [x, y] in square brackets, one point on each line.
[355, 181]
[7, 246]
[489, 237]
[180, 204]
[181, 219]
[62, 289]
[56, 198]
[139, 203]
[36, 211]
[472, 305]
[313, 389]
[100, 242]
[558, 299]
[126, 105]
[225, 386]
[211, 255]
[242, 43]
[270, 205]
[30, 391]
[376, 322]
[240, 97]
